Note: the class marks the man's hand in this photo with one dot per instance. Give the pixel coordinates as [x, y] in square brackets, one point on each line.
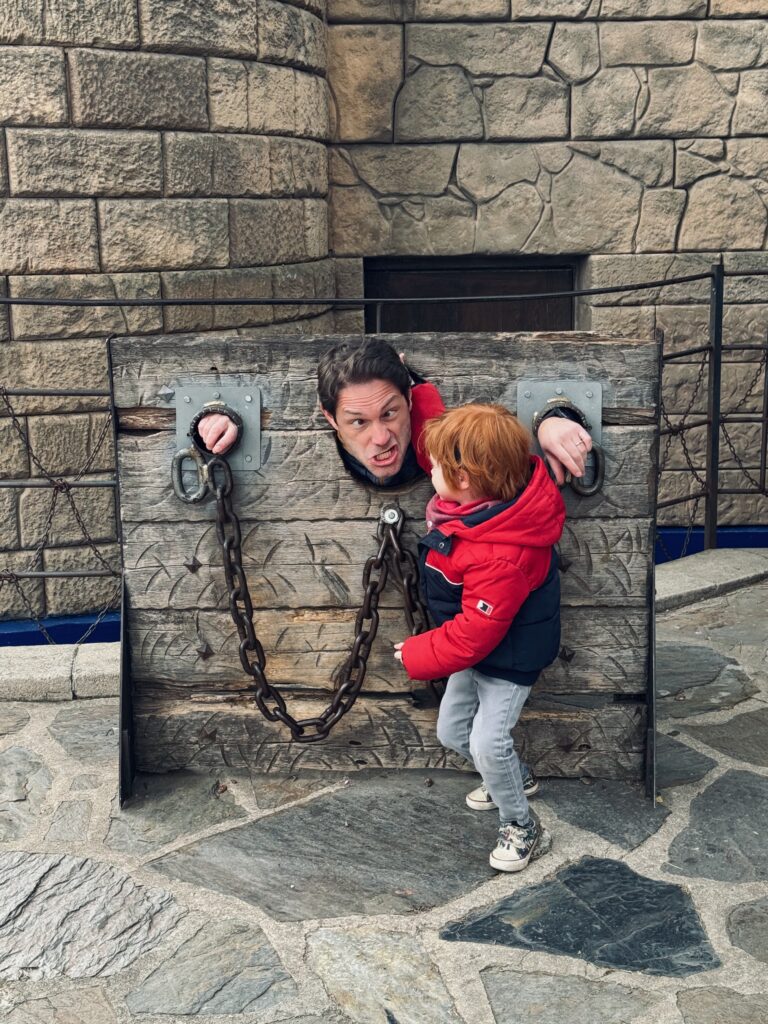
[217, 432]
[399, 652]
[565, 445]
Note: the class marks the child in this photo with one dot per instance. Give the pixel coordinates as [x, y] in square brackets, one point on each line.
[490, 576]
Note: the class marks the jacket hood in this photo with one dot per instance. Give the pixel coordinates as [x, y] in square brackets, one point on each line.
[534, 518]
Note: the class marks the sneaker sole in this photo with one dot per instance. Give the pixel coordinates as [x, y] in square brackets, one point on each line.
[489, 805]
[481, 805]
[509, 866]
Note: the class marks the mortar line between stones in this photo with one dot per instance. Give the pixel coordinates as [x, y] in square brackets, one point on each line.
[227, 826]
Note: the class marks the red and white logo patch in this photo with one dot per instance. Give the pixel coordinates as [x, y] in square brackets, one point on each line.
[484, 607]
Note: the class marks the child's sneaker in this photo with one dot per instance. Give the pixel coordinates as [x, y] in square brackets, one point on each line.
[530, 782]
[480, 799]
[515, 845]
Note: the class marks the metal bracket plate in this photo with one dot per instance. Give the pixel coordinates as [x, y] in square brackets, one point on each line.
[244, 398]
[533, 395]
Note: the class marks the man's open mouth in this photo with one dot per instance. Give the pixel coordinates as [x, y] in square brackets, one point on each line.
[385, 458]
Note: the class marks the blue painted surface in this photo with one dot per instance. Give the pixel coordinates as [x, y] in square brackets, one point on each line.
[65, 629]
[673, 538]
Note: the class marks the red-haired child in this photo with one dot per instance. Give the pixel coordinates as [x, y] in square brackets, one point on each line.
[490, 577]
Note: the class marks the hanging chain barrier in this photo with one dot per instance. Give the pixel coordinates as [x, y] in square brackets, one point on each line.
[708, 486]
[61, 489]
[214, 476]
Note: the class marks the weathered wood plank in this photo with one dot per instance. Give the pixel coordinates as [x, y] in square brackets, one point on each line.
[308, 527]
[149, 419]
[302, 477]
[604, 741]
[319, 564]
[604, 650]
[488, 368]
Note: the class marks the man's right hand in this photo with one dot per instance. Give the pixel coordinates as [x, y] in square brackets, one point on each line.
[217, 432]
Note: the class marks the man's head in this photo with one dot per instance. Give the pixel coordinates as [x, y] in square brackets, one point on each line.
[365, 394]
[482, 450]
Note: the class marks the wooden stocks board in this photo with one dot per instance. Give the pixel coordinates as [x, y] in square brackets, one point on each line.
[308, 528]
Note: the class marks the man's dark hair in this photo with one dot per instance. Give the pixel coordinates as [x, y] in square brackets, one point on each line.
[351, 363]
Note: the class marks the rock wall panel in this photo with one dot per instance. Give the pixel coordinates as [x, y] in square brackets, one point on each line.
[148, 149]
[629, 134]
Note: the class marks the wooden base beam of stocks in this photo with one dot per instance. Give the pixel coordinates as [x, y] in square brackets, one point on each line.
[308, 528]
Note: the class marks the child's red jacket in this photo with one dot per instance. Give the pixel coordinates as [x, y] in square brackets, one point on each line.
[492, 586]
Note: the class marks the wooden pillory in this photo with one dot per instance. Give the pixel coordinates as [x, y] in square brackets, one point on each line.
[308, 529]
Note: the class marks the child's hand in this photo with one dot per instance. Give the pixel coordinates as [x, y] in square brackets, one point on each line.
[399, 652]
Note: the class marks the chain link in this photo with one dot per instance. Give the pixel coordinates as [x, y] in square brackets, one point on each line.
[348, 680]
[761, 366]
[679, 431]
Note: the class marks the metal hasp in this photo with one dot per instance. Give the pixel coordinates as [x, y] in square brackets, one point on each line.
[533, 395]
[587, 396]
[189, 398]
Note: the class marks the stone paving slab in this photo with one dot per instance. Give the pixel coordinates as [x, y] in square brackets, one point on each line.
[692, 678]
[223, 968]
[516, 997]
[88, 732]
[742, 737]
[725, 839]
[677, 764]
[12, 719]
[601, 911]
[36, 673]
[748, 928]
[75, 917]
[358, 938]
[708, 574]
[60, 672]
[386, 843]
[618, 812]
[24, 785]
[163, 807]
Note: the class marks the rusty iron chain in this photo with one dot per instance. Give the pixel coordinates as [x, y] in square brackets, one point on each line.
[349, 679]
[679, 431]
[761, 366]
[406, 571]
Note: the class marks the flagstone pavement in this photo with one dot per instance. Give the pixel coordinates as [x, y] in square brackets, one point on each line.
[311, 898]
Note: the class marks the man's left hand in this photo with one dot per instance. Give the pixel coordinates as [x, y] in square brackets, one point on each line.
[565, 445]
[399, 652]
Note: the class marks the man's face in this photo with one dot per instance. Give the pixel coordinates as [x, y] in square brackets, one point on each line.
[373, 423]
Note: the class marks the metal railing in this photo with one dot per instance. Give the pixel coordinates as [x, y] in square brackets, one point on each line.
[716, 420]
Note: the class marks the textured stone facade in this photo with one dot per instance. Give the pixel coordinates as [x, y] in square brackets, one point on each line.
[627, 133]
[148, 149]
[183, 148]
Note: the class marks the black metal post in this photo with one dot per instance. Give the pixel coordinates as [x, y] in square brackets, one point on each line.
[716, 297]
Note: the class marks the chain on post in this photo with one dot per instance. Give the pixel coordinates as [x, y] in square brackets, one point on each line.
[679, 431]
[58, 487]
[761, 367]
[349, 679]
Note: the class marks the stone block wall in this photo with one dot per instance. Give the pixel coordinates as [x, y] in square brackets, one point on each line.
[148, 148]
[180, 148]
[630, 133]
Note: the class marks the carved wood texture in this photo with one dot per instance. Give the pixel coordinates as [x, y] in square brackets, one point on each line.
[307, 530]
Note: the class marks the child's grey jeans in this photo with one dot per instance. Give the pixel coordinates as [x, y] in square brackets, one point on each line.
[476, 717]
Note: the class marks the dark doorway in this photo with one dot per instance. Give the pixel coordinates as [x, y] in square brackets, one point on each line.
[450, 276]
